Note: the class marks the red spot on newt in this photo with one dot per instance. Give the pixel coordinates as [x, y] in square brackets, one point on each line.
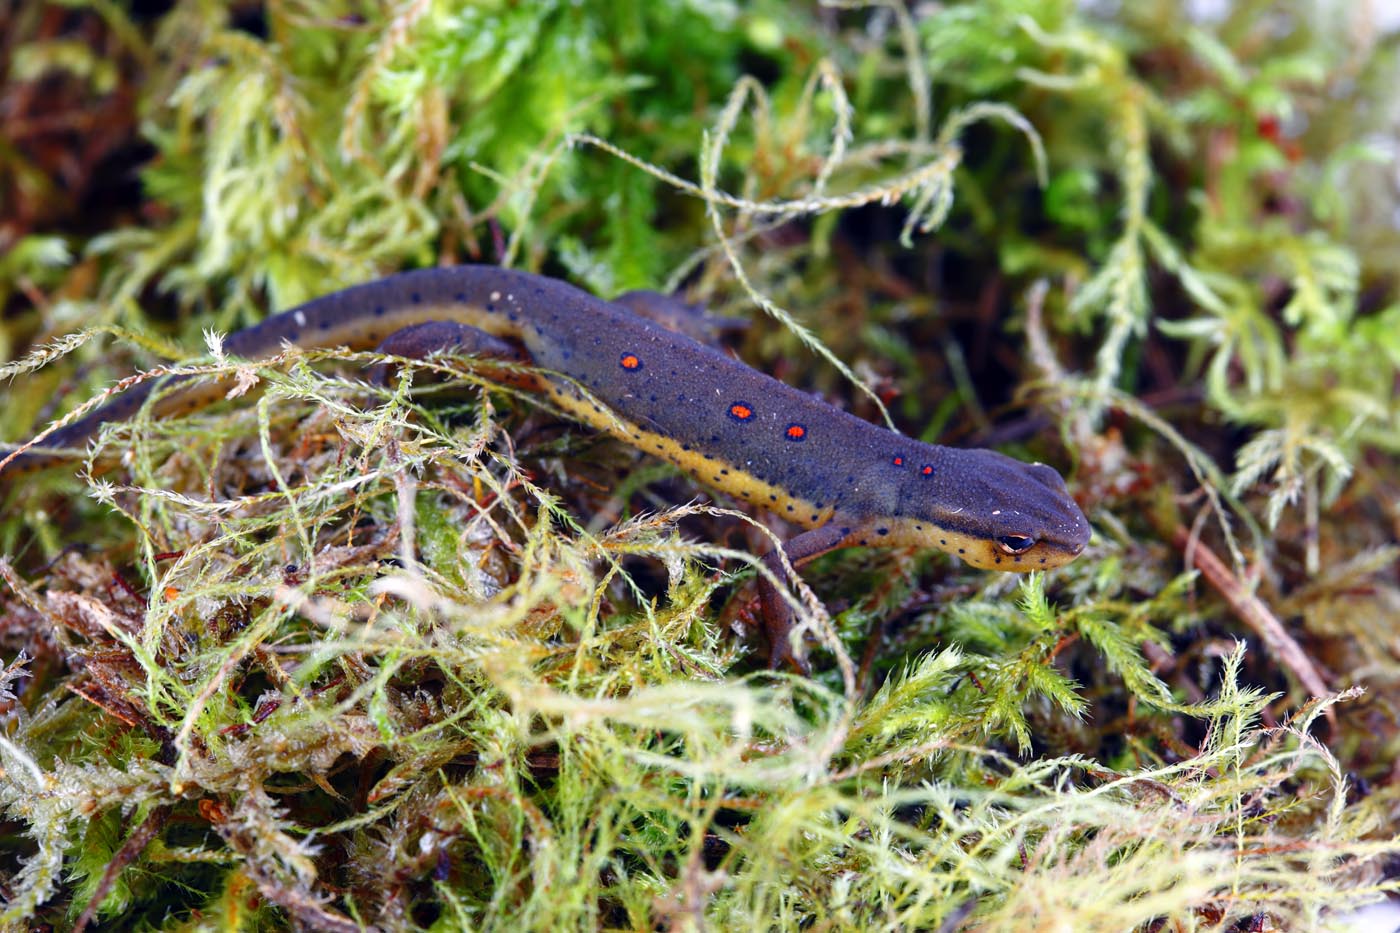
[741, 411]
[927, 470]
[631, 362]
[897, 461]
[795, 432]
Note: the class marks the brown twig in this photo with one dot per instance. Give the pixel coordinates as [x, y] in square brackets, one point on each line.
[1252, 612]
[135, 844]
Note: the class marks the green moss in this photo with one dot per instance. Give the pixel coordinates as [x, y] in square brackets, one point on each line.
[428, 655]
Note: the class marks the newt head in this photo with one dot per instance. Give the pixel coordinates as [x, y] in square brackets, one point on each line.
[995, 512]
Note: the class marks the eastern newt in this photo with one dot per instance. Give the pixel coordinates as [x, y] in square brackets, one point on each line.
[845, 481]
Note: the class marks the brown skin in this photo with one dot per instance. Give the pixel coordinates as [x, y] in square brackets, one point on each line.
[844, 480]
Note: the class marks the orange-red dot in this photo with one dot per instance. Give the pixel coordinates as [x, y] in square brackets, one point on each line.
[630, 361]
[897, 461]
[927, 470]
[795, 432]
[741, 411]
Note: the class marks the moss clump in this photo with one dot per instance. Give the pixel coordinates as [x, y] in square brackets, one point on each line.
[428, 655]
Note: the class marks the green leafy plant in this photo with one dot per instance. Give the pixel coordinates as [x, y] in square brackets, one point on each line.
[427, 655]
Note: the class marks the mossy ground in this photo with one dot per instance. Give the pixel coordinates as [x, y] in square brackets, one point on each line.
[431, 656]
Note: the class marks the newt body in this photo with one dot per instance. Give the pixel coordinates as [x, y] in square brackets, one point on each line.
[846, 481]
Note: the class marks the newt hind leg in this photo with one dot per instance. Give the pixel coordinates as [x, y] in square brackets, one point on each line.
[419, 341]
[675, 313]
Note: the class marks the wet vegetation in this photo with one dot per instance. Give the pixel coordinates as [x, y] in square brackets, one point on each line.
[429, 655]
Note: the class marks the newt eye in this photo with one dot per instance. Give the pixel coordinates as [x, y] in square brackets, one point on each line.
[1015, 544]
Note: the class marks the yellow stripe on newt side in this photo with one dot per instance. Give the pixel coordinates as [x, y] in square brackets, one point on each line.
[729, 478]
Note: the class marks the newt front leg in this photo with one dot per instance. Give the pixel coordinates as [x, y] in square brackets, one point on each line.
[777, 614]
